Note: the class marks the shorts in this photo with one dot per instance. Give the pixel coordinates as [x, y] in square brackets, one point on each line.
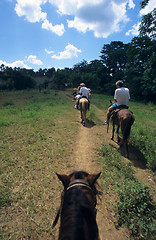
[114, 105]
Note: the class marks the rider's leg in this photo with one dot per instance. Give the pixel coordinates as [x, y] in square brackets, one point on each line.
[110, 109]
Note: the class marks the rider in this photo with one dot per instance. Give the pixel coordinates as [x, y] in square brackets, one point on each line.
[84, 93]
[121, 98]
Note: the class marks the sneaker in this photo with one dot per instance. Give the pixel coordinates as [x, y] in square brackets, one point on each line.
[75, 106]
[105, 123]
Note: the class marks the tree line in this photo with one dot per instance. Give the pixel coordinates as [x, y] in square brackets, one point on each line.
[134, 63]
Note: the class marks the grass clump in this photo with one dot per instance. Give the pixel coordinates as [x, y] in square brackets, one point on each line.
[133, 204]
[136, 209]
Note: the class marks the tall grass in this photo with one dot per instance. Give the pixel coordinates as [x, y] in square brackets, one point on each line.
[133, 204]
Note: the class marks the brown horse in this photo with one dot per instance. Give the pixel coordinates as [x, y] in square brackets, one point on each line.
[78, 206]
[124, 119]
[83, 103]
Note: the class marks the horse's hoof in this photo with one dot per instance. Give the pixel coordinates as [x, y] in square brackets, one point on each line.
[112, 138]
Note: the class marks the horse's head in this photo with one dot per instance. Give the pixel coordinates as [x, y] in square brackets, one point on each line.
[78, 175]
[78, 206]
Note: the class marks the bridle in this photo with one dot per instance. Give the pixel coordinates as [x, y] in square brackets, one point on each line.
[73, 184]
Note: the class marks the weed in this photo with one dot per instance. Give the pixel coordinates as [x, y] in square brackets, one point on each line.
[136, 209]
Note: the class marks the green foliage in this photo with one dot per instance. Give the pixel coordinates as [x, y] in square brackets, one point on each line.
[148, 24]
[136, 209]
[5, 197]
[144, 139]
[134, 206]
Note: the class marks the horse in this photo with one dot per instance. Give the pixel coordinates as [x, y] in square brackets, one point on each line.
[124, 119]
[78, 206]
[83, 103]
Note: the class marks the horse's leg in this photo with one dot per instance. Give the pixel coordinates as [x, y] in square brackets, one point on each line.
[81, 112]
[112, 138]
[84, 117]
[117, 131]
[127, 151]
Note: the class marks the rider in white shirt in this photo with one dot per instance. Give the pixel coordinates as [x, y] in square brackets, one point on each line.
[84, 92]
[121, 97]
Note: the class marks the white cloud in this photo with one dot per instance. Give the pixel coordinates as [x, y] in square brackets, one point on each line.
[58, 29]
[33, 59]
[151, 5]
[47, 51]
[21, 63]
[69, 52]
[100, 16]
[131, 4]
[31, 10]
[134, 31]
[17, 64]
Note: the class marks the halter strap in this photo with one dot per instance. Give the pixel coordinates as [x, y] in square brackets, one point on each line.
[74, 183]
[78, 182]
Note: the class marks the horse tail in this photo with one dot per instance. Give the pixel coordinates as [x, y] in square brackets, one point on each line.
[126, 126]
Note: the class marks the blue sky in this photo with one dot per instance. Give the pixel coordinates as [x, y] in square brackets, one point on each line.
[56, 33]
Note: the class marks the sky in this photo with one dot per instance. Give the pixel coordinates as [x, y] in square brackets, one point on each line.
[61, 33]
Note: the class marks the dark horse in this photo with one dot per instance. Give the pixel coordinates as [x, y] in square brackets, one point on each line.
[124, 119]
[78, 207]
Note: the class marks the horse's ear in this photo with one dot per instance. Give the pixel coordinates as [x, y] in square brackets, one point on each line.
[64, 179]
[92, 178]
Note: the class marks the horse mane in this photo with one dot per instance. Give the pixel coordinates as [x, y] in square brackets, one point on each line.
[77, 211]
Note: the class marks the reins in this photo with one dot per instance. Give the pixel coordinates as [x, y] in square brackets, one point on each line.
[74, 183]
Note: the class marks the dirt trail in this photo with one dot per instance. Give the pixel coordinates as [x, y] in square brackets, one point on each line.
[85, 157]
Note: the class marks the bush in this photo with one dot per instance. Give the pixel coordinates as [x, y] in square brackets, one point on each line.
[136, 209]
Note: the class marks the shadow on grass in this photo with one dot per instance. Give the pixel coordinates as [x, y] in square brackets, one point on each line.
[89, 124]
[135, 156]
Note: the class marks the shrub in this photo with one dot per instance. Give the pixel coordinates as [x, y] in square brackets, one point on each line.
[136, 209]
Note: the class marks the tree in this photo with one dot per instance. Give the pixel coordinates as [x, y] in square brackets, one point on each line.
[139, 52]
[114, 58]
[148, 25]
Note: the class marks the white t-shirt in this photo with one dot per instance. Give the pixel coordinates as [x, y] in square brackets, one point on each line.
[84, 91]
[122, 96]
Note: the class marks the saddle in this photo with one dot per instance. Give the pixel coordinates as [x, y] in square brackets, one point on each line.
[115, 111]
[84, 97]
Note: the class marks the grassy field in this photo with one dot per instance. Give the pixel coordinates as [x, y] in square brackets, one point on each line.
[36, 130]
[36, 133]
